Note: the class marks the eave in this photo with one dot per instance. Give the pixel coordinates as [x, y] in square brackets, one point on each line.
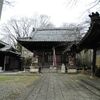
[42, 45]
[91, 39]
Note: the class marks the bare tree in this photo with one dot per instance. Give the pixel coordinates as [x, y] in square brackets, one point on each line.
[42, 21]
[93, 3]
[17, 28]
[8, 2]
[76, 28]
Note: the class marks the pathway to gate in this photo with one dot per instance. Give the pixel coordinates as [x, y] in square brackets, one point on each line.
[57, 86]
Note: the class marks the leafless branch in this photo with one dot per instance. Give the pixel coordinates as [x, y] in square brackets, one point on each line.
[9, 2]
[94, 4]
[72, 3]
[23, 27]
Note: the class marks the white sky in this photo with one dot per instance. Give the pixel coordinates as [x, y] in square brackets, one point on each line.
[56, 9]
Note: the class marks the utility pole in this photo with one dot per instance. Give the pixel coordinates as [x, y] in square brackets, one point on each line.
[1, 5]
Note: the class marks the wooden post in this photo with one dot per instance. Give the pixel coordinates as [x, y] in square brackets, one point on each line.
[4, 63]
[43, 60]
[63, 59]
[93, 63]
[54, 58]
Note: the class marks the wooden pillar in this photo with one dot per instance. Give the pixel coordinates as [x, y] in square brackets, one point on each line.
[4, 63]
[43, 59]
[93, 63]
[63, 59]
[54, 58]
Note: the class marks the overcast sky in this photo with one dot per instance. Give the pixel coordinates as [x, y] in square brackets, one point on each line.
[58, 10]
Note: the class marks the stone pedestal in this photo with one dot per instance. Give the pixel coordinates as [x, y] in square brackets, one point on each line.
[63, 68]
[34, 70]
[72, 71]
[1, 69]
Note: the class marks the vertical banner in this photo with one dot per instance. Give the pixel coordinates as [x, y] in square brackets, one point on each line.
[1, 4]
[54, 58]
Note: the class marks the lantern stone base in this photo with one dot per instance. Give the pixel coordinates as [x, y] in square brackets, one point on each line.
[33, 70]
[72, 71]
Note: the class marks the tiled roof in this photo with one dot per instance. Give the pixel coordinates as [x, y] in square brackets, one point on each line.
[7, 48]
[2, 44]
[54, 34]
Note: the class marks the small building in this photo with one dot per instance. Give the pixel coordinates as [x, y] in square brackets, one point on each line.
[10, 59]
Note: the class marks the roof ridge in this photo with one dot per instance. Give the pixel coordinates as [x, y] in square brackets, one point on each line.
[49, 29]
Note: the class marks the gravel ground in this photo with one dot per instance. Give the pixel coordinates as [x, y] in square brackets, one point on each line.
[59, 86]
[48, 86]
[13, 86]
